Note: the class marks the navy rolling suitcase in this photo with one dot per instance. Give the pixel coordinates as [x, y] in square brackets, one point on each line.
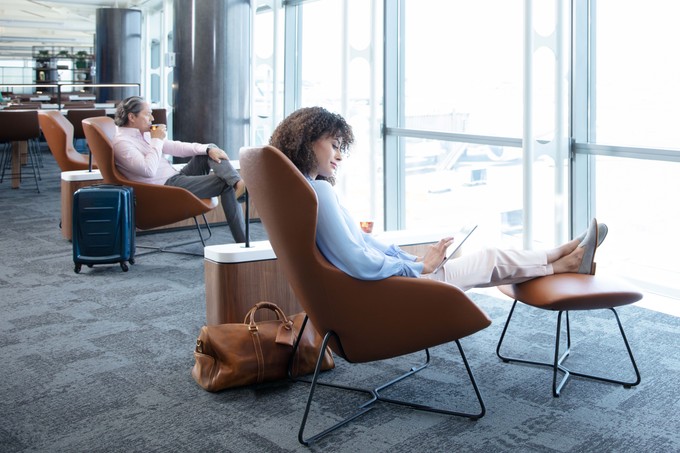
[103, 226]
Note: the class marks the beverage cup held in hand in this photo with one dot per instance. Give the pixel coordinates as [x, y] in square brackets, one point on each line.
[155, 127]
[366, 226]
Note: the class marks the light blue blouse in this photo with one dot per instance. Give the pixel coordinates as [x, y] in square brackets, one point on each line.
[348, 248]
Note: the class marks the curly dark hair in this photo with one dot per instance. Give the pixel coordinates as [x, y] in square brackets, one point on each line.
[133, 104]
[295, 134]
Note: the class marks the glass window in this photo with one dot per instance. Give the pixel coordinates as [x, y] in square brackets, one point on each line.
[463, 66]
[450, 184]
[638, 200]
[633, 94]
[155, 88]
[267, 87]
[169, 76]
[340, 69]
[155, 54]
[636, 73]
[321, 58]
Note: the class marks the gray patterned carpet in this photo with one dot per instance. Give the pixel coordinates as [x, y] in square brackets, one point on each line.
[100, 361]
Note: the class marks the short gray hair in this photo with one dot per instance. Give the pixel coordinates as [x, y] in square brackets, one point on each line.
[133, 104]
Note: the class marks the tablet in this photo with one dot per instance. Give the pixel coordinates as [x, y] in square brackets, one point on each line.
[453, 248]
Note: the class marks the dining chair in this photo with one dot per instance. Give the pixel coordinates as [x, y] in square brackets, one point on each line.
[20, 126]
[362, 321]
[76, 117]
[159, 116]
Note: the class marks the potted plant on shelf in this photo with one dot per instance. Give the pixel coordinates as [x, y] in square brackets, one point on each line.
[82, 65]
[43, 58]
[63, 55]
[81, 59]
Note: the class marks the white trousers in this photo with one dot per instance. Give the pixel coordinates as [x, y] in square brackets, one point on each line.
[493, 267]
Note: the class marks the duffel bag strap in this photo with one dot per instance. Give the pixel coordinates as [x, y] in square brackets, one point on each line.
[257, 346]
[285, 335]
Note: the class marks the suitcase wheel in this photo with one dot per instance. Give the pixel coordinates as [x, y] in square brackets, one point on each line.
[77, 269]
[123, 266]
[131, 261]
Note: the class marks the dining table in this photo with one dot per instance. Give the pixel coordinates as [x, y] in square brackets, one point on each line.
[19, 149]
[19, 156]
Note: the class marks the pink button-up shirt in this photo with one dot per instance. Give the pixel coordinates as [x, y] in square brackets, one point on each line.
[140, 158]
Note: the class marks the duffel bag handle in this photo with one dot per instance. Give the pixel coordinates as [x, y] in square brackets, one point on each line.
[285, 334]
[250, 316]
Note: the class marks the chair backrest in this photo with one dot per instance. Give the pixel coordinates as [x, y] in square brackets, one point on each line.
[159, 116]
[19, 125]
[58, 132]
[76, 117]
[156, 205]
[25, 106]
[78, 105]
[100, 141]
[373, 319]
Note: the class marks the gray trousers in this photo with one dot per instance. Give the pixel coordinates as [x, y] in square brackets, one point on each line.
[196, 177]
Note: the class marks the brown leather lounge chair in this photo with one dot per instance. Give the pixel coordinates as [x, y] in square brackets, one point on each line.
[362, 321]
[156, 205]
[58, 132]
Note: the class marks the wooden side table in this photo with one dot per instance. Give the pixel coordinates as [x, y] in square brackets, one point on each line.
[236, 277]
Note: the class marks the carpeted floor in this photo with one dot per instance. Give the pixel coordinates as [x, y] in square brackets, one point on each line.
[100, 361]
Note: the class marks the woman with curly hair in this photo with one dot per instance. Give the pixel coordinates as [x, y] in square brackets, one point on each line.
[317, 141]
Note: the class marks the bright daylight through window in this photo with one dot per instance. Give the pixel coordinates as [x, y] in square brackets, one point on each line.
[458, 89]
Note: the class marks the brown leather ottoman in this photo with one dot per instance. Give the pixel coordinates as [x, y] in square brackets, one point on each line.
[563, 293]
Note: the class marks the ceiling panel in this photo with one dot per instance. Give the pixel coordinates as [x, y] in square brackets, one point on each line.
[54, 23]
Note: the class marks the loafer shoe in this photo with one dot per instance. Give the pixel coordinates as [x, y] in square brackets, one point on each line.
[602, 231]
[589, 243]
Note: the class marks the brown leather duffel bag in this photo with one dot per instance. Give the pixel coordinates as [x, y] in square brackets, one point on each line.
[233, 355]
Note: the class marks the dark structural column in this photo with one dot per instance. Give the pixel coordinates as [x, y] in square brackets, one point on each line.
[212, 72]
[118, 47]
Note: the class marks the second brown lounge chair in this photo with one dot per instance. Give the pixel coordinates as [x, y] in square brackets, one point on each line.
[156, 205]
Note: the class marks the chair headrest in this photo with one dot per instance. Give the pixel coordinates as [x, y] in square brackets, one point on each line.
[104, 124]
[54, 118]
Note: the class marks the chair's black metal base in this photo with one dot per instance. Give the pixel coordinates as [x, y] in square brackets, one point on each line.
[374, 394]
[167, 248]
[558, 362]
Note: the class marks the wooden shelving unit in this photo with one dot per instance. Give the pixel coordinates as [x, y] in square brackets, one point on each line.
[63, 65]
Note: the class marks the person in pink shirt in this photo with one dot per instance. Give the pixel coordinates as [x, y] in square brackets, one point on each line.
[139, 155]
